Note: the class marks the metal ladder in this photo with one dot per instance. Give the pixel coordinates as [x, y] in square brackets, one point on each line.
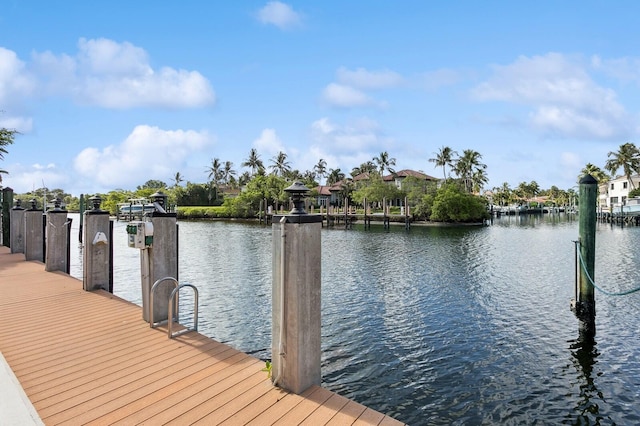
[172, 303]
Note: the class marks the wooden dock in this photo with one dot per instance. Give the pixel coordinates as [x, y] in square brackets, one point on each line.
[89, 358]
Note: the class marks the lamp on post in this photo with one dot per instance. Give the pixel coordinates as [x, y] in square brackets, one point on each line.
[57, 203]
[297, 192]
[96, 201]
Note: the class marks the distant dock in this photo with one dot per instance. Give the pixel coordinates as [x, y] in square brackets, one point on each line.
[89, 358]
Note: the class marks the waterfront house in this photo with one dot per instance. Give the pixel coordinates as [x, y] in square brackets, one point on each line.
[397, 177]
[330, 195]
[614, 193]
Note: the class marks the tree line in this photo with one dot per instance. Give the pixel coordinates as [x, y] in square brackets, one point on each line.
[240, 195]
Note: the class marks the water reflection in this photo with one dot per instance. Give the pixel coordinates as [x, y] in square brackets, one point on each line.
[584, 357]
[436, 325]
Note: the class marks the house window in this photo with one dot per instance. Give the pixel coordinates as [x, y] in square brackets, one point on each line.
[624, 185]
[611, 186]
[614, 200]
[624, 201]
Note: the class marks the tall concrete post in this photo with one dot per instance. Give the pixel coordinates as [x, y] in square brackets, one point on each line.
[7, 203]
[160, 260]
[296, 320]
[34, 233]
[586, 304]
[57, 237]
[96, 255]
[17, 228]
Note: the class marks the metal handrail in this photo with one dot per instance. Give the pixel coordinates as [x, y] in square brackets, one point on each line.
[174, 293]
[153, 324]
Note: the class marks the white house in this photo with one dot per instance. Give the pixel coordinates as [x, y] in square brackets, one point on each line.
[615, 193]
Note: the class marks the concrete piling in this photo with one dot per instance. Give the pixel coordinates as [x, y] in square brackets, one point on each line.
[296, 320]
[6, 196]
[159, 260]
[97, 252]
[34, 223]
[17, 228]
[57, 239]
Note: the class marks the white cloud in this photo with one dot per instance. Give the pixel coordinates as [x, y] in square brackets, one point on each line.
[349, 90]
[269, 143]
[566, 102]
[364, 79]
[362, 138]
[17, 83]
[118, 75]
[15, 80]
[352, 86]
[279, 14]
[106, 57]
[21, 124]
[624, 69]
[346, 96]
[27, 178]
[147, 153]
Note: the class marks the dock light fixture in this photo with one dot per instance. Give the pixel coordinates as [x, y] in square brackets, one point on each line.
[18, 203]
[160, 201]
[297, 192]
[57, 202]
[34, 204]
[96, 201]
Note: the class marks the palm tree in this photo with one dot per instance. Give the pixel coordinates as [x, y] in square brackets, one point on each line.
[253, 162]
[335, 175]
[627, 157]
[346, 190]
[384, 162]
[177, 179]
[467, 165]
[503, 194]
[366, 167]
[320, 169]
[228, 172]
[596, 172]
[279, 164]
[215, 172]
[444, 157]
[478, 180]
[244, 178]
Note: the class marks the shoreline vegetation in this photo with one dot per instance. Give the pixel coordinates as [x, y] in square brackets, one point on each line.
[354, 218]
[458, 197]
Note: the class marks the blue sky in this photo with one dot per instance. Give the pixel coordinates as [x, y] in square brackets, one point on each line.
[111, 94]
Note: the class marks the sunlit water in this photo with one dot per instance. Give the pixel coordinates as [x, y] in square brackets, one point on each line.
[435, 325]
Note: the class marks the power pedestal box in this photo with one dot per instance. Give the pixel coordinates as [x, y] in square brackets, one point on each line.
[140, 234]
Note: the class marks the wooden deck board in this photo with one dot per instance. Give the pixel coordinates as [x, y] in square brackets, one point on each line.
[280, 408]
[89, 358]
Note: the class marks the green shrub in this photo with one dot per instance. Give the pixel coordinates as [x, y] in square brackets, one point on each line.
[201, 212]
[451, 204]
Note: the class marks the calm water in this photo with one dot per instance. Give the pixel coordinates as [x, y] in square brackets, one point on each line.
[435, 325]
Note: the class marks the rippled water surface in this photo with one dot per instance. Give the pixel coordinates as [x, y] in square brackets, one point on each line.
[459, 325]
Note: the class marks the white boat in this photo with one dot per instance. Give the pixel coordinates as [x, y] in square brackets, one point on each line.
[136, 206]
[631, 207]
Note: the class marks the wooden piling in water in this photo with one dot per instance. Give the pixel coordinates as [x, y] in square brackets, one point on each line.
[586, 305]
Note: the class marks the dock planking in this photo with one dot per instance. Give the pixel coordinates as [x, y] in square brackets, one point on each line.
[89, 358]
